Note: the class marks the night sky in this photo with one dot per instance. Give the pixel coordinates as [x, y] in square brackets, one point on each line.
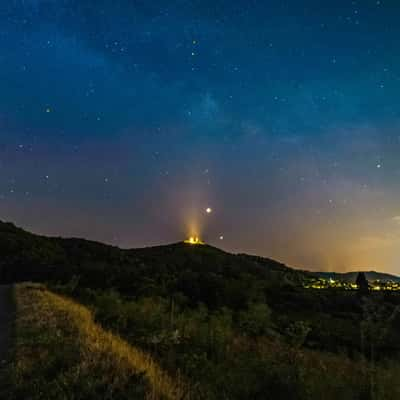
[123, 121]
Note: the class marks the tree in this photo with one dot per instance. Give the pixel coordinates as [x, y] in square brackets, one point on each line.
[362, 283]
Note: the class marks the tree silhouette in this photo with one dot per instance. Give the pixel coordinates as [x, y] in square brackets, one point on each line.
[362, 283]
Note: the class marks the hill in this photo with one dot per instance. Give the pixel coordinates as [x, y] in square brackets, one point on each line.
[201, 273]
[352, 276]
[232, 325]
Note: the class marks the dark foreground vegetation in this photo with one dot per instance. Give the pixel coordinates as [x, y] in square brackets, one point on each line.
[60, 353]
[232, 326]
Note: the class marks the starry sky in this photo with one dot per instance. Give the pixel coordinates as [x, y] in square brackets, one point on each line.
[123, 121]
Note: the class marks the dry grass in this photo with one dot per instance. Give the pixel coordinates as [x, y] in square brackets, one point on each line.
[61, 353]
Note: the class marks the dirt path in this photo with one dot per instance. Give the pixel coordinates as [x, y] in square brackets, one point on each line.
[7, 313]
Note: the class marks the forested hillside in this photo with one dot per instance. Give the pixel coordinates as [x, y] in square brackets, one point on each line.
[232, 326]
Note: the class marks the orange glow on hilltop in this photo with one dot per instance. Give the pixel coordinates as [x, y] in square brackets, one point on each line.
[193, 240]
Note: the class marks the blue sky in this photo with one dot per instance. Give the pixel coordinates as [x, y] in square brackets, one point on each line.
[122, 121]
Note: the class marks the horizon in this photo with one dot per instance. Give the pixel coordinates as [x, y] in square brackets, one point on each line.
[135, 124]
[214, 245]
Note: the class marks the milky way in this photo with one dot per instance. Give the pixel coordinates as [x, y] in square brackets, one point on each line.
[124, 121]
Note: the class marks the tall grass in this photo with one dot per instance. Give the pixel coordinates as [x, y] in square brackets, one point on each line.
[61, 353]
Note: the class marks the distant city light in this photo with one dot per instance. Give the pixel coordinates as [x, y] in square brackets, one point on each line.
[377, 285]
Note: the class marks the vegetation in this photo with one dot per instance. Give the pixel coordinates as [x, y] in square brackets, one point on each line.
[233, 326]
[62, 354]
[201, 273]
[248, 354]
[362, 283]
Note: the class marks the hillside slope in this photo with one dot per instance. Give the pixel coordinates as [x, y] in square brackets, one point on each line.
[62, 352]
[201, 273]
[234, 326]
[191, 269]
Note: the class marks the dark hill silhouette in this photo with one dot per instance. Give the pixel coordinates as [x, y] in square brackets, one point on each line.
[352, 276]
[27, 256]
[182, 274]
[202, 273]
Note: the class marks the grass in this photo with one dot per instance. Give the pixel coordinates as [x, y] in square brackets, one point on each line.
[61, 353]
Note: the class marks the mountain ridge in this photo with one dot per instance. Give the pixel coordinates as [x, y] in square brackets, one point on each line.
[351, 276]
[20, 247]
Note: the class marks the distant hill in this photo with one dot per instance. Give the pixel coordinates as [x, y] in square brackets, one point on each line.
[351, 276]
[19, 248]
[200, 273]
